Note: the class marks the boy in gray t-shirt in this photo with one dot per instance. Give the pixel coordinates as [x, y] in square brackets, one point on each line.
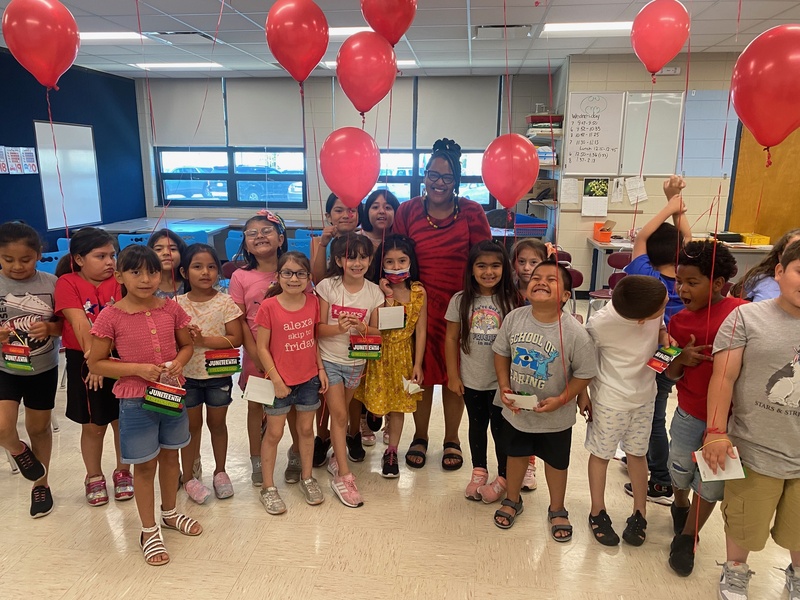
[539, 351]
[757, 377]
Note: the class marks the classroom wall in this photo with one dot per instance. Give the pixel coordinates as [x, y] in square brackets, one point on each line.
[623, 72]
[108, 104]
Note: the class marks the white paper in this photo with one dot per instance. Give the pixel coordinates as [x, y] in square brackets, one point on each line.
[410, 387]
[391, 317]
[616, 190]
[635, 188]
[570, 191]
[14, 161]
[3, 165]
[524, 402]
[733, 468]
[594, 206]
[259, 390]
[29, 166]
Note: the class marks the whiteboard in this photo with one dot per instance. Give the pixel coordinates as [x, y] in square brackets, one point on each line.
[77, 164]
[663, 133]
[594, 133]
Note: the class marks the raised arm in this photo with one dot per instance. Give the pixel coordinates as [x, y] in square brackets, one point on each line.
[672, 208]
[674, 187]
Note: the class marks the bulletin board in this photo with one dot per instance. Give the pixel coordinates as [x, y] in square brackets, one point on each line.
[777, 187]
[77, 166]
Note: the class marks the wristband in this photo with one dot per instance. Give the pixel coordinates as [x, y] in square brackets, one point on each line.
[715, 441]
[270, 371]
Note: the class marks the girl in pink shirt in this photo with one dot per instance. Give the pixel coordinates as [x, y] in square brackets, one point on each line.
[152, 338]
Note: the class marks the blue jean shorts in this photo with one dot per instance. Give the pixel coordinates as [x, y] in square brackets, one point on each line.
[686, 436]
[214, 392]
[303, 396]
[349, 375]
[143, 433]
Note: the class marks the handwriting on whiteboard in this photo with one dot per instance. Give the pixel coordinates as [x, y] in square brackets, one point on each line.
[594, 134]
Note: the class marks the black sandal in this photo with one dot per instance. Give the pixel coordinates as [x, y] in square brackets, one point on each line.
[452, 456]
[602, 530]
[417, 454]
[554, 529]
[635, 533]
[499, 514]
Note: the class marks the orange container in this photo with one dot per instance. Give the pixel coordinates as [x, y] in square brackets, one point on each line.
[601, 236]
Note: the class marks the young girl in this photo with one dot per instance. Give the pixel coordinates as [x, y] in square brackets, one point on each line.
[264, 240]
[759, 282]
[289, 353]
[85, 287]
[347, 308]
[152, 338]
[215, 325]
[473, 320]
[382, 390]
[169, 247]
[27, 320]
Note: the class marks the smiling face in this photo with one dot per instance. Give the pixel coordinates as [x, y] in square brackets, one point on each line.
[168, 254]
[694, 288]
[262, 239]
[439, 192]
[18, 261]
[98, 265]
[293, 277]
[343, 219]
[487, 272]
[381, 215]
[141, 283]
[527, 259]
[546, 287]
[203, 271]
[354, 268]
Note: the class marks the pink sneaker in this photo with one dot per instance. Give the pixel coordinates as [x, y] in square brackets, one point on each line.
[479, 478]
[333, 466]
[367, 435]
[493, 491]
[345, 489]
[96, 492]
[123, 485]
[529, 481]
[196, 490]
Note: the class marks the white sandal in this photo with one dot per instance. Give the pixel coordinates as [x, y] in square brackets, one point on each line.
[183, 523]
[153, 546]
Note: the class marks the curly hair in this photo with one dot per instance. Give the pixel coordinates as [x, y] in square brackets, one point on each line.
[451, 152]
[711, 259]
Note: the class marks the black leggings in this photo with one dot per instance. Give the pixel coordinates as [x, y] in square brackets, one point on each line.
[482, 415]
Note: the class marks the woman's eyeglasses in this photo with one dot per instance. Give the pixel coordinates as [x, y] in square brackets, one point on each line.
[435, 176]
[286, 274]
[263, 231]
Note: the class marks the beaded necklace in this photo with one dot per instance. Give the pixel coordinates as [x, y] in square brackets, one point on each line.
[428, 217]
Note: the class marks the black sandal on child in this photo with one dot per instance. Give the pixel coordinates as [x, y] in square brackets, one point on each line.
[635, 533]
[602, 530]
[554, 529]
[509, 519]
[452, 456]
[421, 454]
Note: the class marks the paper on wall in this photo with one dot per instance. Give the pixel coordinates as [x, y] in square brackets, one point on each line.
[636, 192]
[594, 206]
[29, 166]
[3, 165]
[14, 161]
[616, 190]
[570, 191]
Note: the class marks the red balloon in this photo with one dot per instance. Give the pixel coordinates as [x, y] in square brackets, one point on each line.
[390, 18]
[43, 36]
[350, 162]
[765, 85]
[366, 67]
[297, 36]
[659, 32]
[509, 168]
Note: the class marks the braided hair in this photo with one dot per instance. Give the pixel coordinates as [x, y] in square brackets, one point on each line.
[451, 152]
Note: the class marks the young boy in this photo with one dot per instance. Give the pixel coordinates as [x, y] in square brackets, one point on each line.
[540, 351]
[757, 373]
[655, 253]
[626, 333]
[703, 269]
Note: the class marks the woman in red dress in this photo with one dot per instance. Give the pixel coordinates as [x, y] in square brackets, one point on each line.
[444, 228]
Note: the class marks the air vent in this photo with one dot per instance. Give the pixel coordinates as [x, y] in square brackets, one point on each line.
[183, 38]
[495, 32]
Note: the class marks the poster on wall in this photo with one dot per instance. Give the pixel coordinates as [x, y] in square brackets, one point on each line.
[3, 165]
[29, 165]
[14, 161]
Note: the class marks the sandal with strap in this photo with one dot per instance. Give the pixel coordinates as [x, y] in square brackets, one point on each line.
[421, 454]
[602, 530]
[554, 529]
[635, 533]
[183, 523]
[458, 458]
[153, 546]
[500, 514]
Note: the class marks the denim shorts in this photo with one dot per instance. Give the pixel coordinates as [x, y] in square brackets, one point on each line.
[214, 392]
[143, 433]
[349, 375]
[303, 396]
[686, 436]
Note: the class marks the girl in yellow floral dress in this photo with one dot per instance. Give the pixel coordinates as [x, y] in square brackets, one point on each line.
[385, 388]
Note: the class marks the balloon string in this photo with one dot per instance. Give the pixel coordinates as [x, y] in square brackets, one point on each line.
[363, 121]
[305, 147]
[508, 77]
[686, 95]
[316, 169]
[738, 19]
[644, 149]
[208, 77]
[58, 166]
[388, 132]
[769, 156]
[146, 75]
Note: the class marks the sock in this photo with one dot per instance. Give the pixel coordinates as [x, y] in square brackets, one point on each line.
[255, 461]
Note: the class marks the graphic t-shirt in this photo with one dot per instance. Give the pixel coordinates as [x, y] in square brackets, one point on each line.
[292, 342]
[211, 317]
[23, 303]
[765, 424]
[537, 366]
[641, 266]
[248, 288]
[73, 291]
[477, 367]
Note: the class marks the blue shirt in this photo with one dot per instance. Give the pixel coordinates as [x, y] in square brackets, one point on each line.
[765, 288]
[641, 266]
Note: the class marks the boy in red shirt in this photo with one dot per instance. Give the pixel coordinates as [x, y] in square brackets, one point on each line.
[703, 269]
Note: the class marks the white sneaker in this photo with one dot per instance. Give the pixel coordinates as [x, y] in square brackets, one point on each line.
[734, 581]
[792, 582]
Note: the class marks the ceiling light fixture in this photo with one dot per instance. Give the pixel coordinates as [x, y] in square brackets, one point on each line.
[110, 36]
[573, 30]
[177, 65]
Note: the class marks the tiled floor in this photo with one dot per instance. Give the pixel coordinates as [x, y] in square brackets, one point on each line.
[415, 537]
